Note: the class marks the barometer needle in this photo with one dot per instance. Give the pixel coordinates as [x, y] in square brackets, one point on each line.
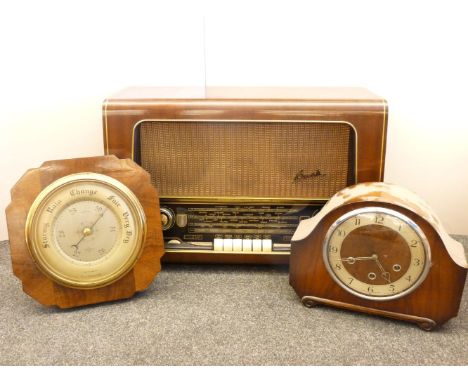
[89, 229]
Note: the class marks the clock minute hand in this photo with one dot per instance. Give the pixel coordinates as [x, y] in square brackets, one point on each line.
[352, 260]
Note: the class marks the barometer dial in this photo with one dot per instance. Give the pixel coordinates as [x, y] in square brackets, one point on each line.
[85, 230]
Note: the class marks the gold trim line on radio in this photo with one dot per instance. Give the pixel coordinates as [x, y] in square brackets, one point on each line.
[239, 199]
[106, 132]
[384, 139]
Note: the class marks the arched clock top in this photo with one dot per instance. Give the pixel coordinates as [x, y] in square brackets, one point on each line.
[380, 192]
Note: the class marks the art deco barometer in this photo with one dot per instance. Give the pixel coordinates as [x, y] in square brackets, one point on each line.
[85, 230]
[91, 231]
[378, 248]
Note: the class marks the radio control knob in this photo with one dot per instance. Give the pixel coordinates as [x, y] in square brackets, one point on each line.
[167, 218]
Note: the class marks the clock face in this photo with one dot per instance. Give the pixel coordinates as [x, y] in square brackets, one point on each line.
[376, 253]
[85, 230]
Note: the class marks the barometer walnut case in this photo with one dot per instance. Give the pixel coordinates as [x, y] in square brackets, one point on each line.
[84, 231]
[378, 248]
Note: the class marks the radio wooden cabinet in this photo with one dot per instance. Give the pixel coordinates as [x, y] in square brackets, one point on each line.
[237, 169]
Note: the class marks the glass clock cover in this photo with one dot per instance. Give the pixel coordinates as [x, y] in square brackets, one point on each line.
[376, 253]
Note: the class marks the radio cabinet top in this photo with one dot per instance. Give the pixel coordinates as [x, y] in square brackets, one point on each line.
[364, 111]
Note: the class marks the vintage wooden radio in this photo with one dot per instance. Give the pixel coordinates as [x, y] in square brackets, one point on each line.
[237, 169]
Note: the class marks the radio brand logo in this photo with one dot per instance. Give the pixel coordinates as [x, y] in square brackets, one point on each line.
[301, 175]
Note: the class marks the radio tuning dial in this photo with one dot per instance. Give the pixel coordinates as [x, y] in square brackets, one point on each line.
[167, 218]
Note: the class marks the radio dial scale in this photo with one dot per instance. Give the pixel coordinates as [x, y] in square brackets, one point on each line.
[248, 228]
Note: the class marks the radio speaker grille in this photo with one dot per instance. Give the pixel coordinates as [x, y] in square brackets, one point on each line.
[230, 159]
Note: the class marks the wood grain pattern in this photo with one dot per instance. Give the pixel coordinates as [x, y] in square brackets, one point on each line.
[365, 111]
[48, 292]
[436, 299]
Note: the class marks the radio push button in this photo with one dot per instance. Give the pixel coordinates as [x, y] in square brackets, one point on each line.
[257, 245]
[267, 245]
[247, 245]
[237, 245]
[227, 245]
[218, 244]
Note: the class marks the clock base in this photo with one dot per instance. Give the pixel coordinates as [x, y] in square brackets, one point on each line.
[422, 322]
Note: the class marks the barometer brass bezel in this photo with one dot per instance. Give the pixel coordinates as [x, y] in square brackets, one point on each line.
[109, 276]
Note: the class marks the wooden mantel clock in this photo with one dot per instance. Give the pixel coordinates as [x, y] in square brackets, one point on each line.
[84, 231]
[378, 248]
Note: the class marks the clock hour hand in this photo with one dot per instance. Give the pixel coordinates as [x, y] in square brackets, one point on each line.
[385, 274]
[352, 260]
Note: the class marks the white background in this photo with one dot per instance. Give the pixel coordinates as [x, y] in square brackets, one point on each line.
[60, 59]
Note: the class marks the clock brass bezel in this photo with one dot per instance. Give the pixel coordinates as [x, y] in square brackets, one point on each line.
[380, 210]
[135, 207]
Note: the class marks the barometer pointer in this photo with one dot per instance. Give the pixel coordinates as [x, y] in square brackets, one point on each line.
[87, 231]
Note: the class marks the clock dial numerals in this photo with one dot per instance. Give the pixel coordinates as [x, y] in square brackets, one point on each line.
[90, 231]
[383, 252]
[379, 219]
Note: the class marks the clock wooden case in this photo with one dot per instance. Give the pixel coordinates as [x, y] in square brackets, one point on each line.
[378, 248]
[84, 231]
